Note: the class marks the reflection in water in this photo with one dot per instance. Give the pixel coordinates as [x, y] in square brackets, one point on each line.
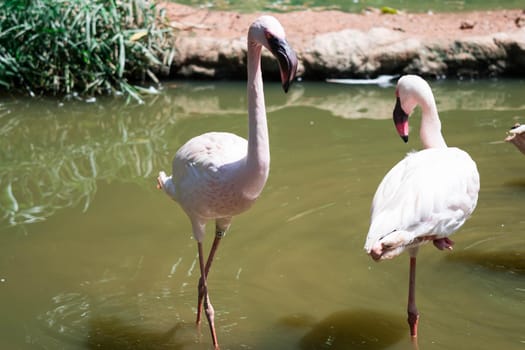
[106, 315]
[52, 155]
[508, 261]
[516, 183]
[352, 329]
[114, 334]
[117, 269]
[355, 6]
[72, 321]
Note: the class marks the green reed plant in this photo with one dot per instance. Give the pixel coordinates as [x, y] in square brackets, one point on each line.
[81, 46]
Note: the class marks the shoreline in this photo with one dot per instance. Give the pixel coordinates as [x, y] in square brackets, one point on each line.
[300, 25]
[211, 44]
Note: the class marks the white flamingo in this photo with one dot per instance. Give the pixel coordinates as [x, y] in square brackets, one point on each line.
[516, 136]
[218, 175]
[425, 197]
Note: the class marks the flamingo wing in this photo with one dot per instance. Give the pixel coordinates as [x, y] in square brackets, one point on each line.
[204, 171]
[427, 195]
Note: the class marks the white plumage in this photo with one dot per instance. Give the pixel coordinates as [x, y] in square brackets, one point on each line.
[427, 196]
[517, 129]
[205, 179]
[516, 136]
[218, 175]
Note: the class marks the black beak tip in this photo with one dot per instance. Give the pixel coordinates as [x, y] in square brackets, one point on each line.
[286, 86]
[405, 138]
[287, 60]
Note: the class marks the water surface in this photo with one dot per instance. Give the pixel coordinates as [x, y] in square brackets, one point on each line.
[93, 256]
[354, 5]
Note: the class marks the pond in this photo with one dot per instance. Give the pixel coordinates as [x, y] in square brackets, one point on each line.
[354, 5]
[93, 256]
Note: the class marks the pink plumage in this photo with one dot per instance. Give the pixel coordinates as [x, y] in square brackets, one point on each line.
[218, 175]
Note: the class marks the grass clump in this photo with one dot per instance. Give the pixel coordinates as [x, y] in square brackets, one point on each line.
[88, 47]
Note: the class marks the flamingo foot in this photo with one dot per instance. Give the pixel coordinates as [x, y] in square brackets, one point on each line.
[443, 243]
[413, 318]
[204, 303]
[210, 315]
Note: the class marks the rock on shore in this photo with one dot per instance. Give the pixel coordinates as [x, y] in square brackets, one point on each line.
[212, 45]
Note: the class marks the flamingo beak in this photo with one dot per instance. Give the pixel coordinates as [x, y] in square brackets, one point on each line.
[401, 121]
[287, 60]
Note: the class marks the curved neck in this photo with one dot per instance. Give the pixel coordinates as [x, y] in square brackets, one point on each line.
[430, 131]
[258, 157]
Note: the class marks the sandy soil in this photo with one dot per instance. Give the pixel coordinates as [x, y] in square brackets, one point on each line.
[303, 25]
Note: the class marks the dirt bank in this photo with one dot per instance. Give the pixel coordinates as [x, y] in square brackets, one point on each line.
[211, 44]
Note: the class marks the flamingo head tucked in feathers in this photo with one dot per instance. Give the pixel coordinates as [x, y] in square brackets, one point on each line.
[267, 31]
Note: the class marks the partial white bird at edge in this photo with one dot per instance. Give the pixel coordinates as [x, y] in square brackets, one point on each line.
[518, 129]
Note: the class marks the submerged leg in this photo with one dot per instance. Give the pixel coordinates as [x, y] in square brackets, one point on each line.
[204, 298]
[203, 293]
[218, 236]
[413, 315]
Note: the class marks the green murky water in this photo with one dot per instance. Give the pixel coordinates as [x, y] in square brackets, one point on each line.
[92, 256]
[354, 5]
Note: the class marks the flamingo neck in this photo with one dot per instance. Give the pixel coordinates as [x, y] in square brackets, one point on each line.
[258, 157]
[430, 131]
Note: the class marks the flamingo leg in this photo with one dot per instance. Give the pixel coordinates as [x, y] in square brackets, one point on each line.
[204, 299]
[216, 241]
[413, 314]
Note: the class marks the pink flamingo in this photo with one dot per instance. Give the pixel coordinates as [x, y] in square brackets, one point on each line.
[218, 175]
[425, 197]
